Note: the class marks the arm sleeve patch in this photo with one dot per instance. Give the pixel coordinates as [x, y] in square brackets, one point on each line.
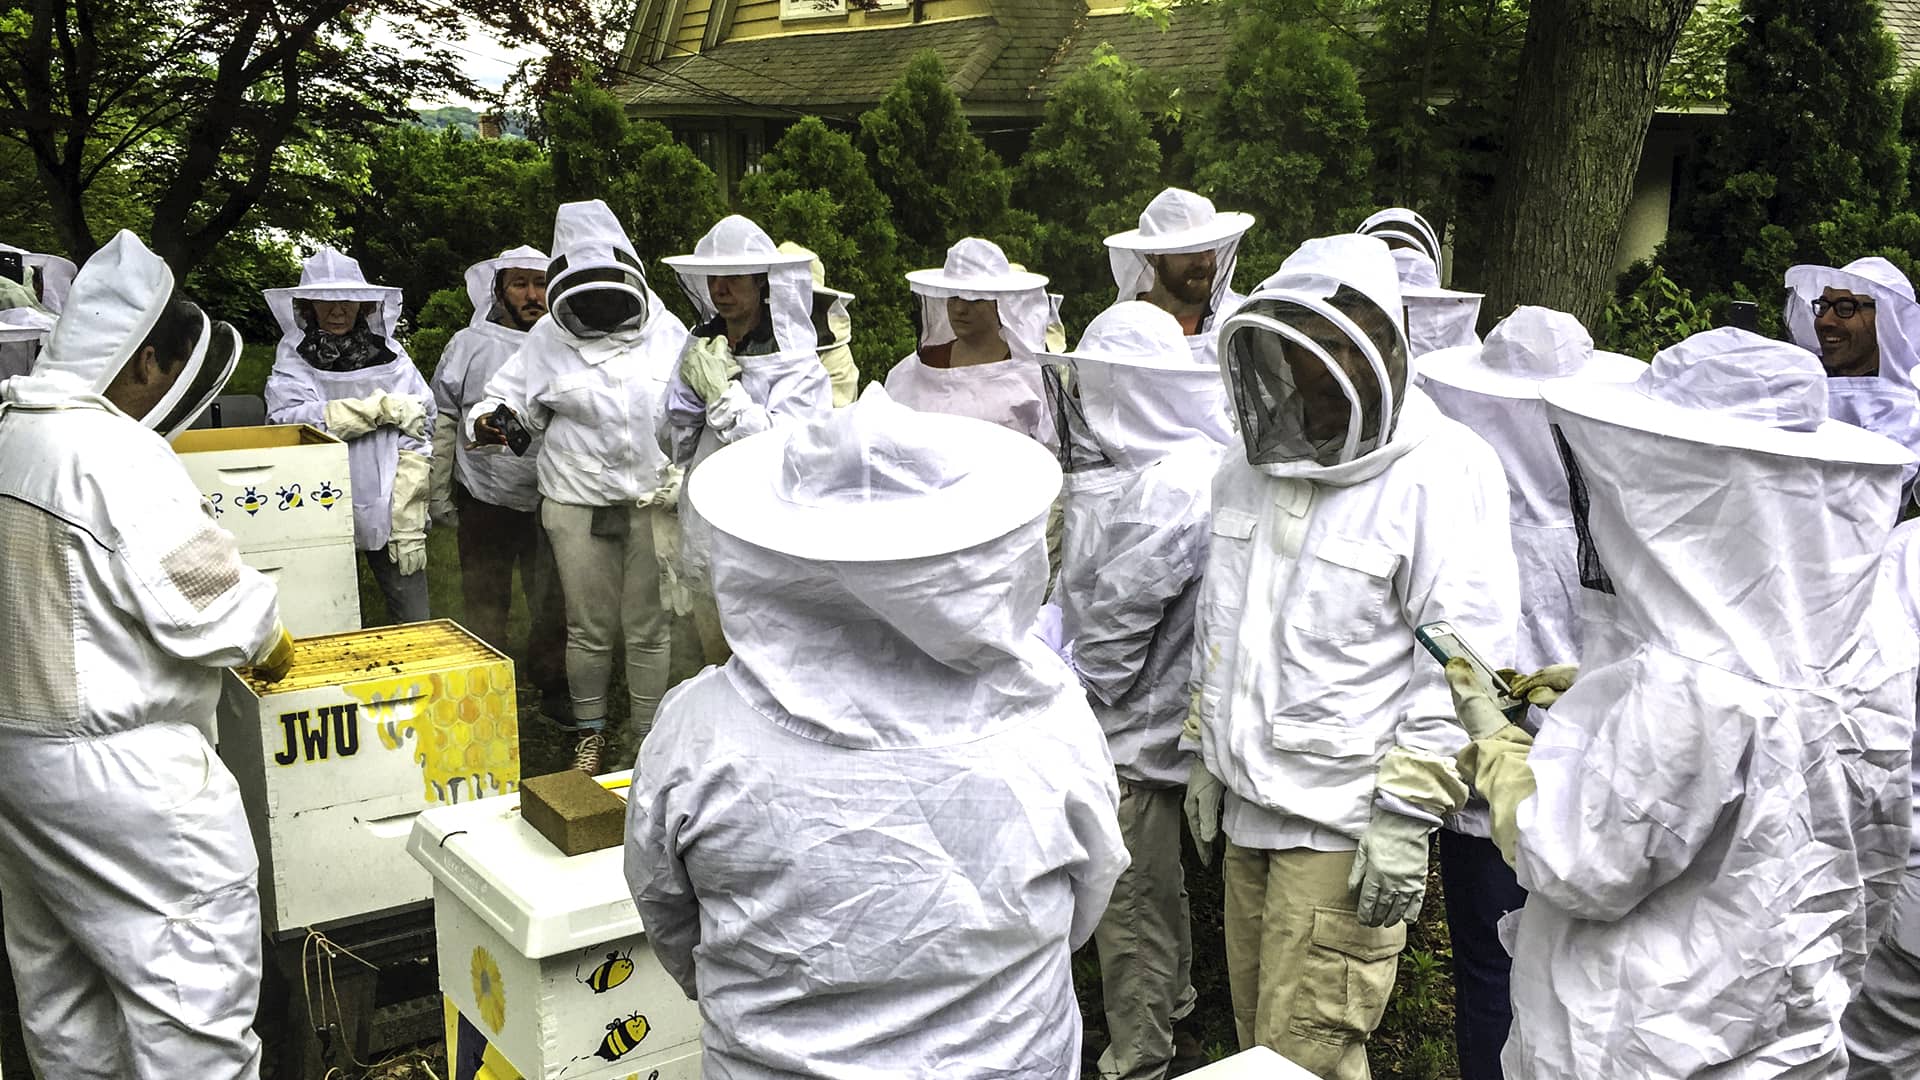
[204, 568]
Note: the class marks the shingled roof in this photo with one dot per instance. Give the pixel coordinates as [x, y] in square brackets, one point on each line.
[1902, 18]
[1006, 62]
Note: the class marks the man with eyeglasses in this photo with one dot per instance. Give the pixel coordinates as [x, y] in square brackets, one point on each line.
[1863, 323]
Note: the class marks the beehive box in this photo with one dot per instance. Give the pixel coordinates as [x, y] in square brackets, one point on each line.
[544, 954]
[285, 495]
[1258, 1063]
[335, 761]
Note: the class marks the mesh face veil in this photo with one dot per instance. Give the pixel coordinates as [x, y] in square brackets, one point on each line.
[1314, 379]
[591, 302]
[1079, 451]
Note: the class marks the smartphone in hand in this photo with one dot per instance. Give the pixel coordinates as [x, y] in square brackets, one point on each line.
[517, 436]
[1445, 643]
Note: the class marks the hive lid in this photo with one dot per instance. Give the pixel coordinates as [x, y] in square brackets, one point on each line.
[544, 903]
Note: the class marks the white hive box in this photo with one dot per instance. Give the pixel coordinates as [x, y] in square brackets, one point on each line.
[284, 494]
[545, 954]
[1258, 1063]
[335, 761]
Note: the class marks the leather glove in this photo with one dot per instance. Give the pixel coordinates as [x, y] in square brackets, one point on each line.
[725, 412]
[708, 368]
[1205, 796]
[1389, 876]
[408, 545]
[350, 418]
[1472, 705]
[446, 437]
[405, 412]
[278, 660]
[1545, 686]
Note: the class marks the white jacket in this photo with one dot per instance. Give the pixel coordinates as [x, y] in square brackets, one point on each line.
[1135, 537]
[490, 474]
[298, 393]
[1722, 801]
[867, 859]
[124, 596]
[595, 401]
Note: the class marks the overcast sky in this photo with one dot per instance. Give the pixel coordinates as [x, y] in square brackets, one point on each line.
[484, 60]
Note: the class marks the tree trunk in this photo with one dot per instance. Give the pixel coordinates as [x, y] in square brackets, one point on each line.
[1589, 79]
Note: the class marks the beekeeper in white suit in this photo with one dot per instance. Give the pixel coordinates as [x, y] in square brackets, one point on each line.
[983, 330]
[126, 865]
[833, 325]
[1494, 389]
[1437, 318]
[339, 368]
[1181, 259]
[1863, 323]
[872, 839]
[48, 276]
[1712, 822]
[752, 365]
[1135, 547]
[1353, 513]
[591, 382]
[488, 494]
[24, 328]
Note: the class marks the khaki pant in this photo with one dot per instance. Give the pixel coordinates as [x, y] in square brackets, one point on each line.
[612, 589]
[1146, 938]
[1308, 980]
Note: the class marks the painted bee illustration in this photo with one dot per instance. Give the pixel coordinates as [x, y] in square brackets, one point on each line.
[616, 969]
[622, 1037]
[251, 501]
[326, 494]
[289, 496]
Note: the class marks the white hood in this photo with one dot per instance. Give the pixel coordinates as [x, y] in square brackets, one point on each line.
[1178, 222]
[329, 275]
[1896, 317]
[735, 245]
[54, 274]
[1140, 393]
[1758, 563]
[481, 276]
[1400, 223]
[1339, 290]
[977, 269]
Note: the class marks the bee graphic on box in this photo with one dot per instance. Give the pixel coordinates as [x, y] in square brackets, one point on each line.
[614, 970]
[622, 1037]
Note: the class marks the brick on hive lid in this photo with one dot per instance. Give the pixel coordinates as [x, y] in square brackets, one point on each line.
[573, 811]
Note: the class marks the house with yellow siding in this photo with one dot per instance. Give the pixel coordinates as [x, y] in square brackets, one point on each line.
[728, 76]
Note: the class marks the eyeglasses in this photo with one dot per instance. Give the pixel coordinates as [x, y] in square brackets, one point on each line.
[1846, 307]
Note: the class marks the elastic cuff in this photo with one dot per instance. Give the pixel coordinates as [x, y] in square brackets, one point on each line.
[1387, 800]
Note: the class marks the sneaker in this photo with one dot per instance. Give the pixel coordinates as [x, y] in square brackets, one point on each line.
[586, 753]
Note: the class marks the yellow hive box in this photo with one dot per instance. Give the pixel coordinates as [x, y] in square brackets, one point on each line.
[368, 729]
[284, 494]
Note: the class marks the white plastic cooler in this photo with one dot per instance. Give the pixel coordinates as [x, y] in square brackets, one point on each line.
[284, 494]
[545, 954]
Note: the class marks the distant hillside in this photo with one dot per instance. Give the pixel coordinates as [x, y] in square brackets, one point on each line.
[468, 121]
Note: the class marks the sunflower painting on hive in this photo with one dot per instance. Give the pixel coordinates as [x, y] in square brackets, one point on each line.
[489, 991]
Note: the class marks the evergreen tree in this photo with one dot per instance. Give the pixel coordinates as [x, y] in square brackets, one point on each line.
[1286, 137]
[1092, 166]
[1810, 165]
[943, 182]
[813, 188]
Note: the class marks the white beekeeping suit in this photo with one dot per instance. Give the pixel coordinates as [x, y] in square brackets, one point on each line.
[471, 359]
[23, 331]
[833, 323]
[1134, 550]
[1437, 318]
[1354, 514]
[132, 914]
[1179, 222]
[1885, 403]
[1882, 1025]
[1006, 392]
[771, 377]
[1494, 389]
[591, 383]
[1712, 822]
[51, 276]
[871, 840]
[371, 396]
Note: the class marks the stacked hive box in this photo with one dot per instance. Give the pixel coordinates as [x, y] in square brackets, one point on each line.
[335, 761]
[543, 954]
[284, 494]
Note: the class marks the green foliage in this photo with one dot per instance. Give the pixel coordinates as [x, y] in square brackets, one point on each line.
[813, 188]
[1650, 317]
[444, 314]
[658, 188]
[1810, 158]
[1287, 136]
[943, 182]
[229, 283]
[1092, 165]
[440, 201]
[451, 116]
[1697, 74]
